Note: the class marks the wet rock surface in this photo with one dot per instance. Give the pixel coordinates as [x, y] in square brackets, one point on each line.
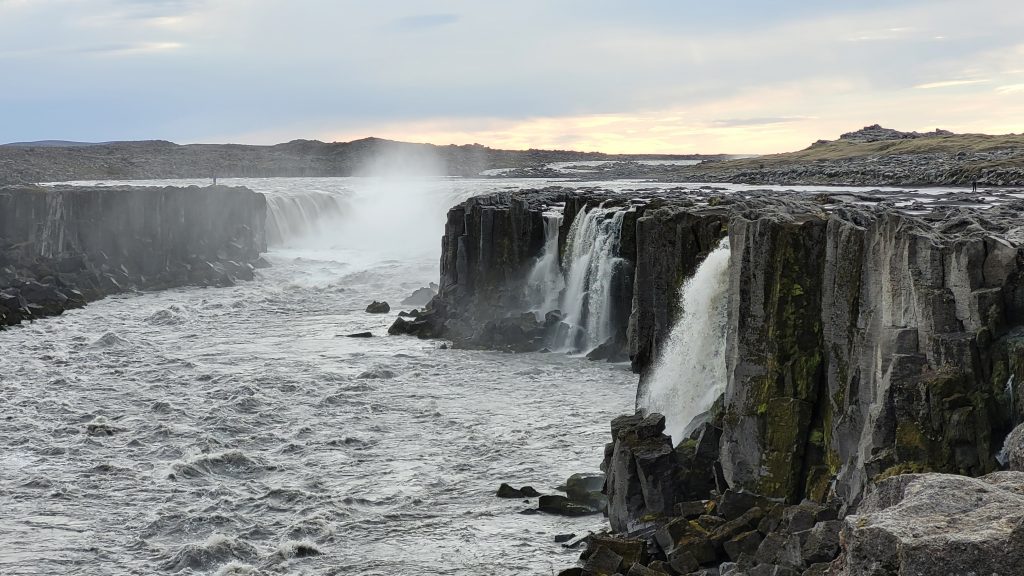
[63, 246]
[868, 336]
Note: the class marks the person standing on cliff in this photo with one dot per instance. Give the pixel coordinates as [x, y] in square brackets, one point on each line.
[974, 185]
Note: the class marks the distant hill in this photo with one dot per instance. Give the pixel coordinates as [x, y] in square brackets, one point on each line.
[51, 144]
[161, 159]
[877, 156]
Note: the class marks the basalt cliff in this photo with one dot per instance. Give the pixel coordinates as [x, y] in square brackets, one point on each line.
[872, 346]
[63, 246]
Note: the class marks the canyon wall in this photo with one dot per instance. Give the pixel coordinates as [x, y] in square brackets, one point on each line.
[63, 246]
[863, 341]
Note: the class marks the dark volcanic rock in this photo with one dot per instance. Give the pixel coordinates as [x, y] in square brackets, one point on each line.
[420, 297]
[378, 307]
[1013, 449]
[555, 504]
[506, 491]
[641, 470]
[62, 246]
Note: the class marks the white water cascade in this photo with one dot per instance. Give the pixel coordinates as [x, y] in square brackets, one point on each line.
[690, 373]
[545, 283]
[51, 238]
[294, 215]
[1004, 455]
[591, 259]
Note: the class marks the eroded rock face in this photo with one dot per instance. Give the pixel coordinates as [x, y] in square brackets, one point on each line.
[62, 246]
[864, 341]
[936, 525]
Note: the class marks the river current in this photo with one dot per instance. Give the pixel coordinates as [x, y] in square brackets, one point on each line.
[240, 431]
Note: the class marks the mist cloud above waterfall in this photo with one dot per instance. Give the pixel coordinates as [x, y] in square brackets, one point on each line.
[648, 76]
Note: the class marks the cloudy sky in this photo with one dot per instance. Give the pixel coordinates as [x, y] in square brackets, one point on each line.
[741, 76]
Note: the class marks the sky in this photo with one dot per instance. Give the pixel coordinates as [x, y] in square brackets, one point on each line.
[644, 76]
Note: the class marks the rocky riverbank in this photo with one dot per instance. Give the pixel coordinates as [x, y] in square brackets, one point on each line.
[867, 339]
[63, 246]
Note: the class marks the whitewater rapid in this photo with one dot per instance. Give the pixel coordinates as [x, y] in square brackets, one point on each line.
[238, 430]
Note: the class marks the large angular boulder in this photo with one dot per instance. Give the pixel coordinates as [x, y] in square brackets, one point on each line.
[937, 525]
[641, 471]
[1013, 449]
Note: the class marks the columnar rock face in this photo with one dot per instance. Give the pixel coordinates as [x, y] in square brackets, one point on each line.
[62, 246]
[670, 243]
[491, 244]
[864, 341]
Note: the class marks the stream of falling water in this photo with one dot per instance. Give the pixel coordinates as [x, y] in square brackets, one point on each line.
[591, 261]
[238, 431]
[690, 372]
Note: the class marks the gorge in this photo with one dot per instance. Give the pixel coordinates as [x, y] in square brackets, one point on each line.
[864, 338]
[835, 361]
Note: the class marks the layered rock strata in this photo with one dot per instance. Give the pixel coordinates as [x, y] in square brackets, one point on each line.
[61, 247]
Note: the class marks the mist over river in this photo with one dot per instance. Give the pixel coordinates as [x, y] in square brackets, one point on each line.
[237, 431]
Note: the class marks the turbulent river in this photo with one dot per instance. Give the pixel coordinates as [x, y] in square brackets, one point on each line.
[237, 431]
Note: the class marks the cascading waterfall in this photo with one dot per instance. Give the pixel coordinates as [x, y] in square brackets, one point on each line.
[291, 216]
[591, 260]
[1004, 454]
[690, 373]
[51, 237]
[545, 282]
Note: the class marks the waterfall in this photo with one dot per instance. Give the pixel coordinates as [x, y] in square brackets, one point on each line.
[690, 373]
[545, 282]
[1009, 395]
[1004, 455]
[51, 237]
[291, 216]
[591, 261]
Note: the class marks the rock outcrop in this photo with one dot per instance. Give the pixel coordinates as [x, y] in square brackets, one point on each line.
[864, 341]
[63, 246]
[937, 524]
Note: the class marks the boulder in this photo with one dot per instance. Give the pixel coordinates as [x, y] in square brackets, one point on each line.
[555, 504]
[641, 470]
[602, 562]
[820, 543]
[631, 550]
[378, 307]
[734, 503]
[691, 509]
[744, 543]
[506, 491]
[1013, 450]
[937, 525]
[587, 489]
[782, 549]
[420, 297]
